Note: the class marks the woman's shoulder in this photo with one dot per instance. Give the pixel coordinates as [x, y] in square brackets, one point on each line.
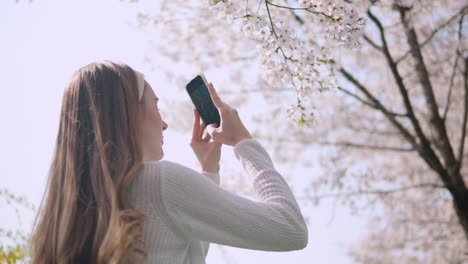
[161, 164]
[166, 168]
[162, 172]
[175, 175]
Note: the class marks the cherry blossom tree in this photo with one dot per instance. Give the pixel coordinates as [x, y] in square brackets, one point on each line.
[377, 90]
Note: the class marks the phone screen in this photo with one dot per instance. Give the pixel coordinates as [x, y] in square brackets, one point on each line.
[201, 98]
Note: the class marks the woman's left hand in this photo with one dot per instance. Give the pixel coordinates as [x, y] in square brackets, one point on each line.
[208, 152]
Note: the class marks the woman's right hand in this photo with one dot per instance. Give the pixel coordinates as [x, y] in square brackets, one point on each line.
[231, 129]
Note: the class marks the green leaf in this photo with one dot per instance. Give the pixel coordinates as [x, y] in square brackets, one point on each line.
[301, 122]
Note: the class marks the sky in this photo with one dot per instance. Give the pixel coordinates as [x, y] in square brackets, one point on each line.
[42, 44]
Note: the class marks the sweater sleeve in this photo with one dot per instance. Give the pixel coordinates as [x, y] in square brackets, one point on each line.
[200, 209]
[215, 178]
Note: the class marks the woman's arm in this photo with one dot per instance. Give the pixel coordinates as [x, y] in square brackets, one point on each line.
[213, 176]
[216, 179]
[198, 208]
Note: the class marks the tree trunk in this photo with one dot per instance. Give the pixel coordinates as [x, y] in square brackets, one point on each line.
[460, 203]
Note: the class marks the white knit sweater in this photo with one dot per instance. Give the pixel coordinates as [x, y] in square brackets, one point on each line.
[187, 210]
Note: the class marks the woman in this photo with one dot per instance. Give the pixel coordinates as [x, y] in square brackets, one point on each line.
[111, 199]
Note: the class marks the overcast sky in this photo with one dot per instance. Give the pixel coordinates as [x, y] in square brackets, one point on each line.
[42, 44]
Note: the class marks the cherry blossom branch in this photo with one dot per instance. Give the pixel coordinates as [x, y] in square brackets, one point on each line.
[372, 192]
[298, 18]
[357, 97]
[271, 20]
[308, 9]
[406, 134]
[452, 78]
[372, 43]
[374, 130]
[424, 148]
[335, 13]
[442, 141]
[367, 103]
[428, 39]
[256, 91]
[364, 146]
[244, 58]
[273, 29]
[450, 173]
[449, 94]
[465, 117]
[339, 144]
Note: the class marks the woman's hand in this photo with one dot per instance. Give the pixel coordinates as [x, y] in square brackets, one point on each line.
[231, 130]
[208, 153]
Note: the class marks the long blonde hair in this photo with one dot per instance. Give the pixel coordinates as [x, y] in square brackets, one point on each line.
[85, 216]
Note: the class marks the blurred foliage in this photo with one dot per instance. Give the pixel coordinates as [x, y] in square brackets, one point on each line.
[13, 243]
[12, 254]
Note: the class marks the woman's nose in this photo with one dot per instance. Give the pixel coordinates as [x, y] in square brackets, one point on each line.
[165, 126]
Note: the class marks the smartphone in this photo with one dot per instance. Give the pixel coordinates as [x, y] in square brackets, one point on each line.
[198, 92]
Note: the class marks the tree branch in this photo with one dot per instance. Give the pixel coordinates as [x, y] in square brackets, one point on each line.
[450, 174]
[271, 20]
[340, 144]
[424, 148]
[440, 27]
[449, 94]
[406, 134]
[465, 117]
[273, 28]
[374, 131]
[276, 90]
[310, 10]
[452, 78]
[441, 141]
[244, 58]
[367, 103]
[364, 146]
[372, 192]
[298, 18]
[372, 43]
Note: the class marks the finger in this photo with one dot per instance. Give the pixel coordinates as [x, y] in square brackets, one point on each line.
[196, 124]
[212, 130]
[200, 131]
[214, 96]
[206, 136]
